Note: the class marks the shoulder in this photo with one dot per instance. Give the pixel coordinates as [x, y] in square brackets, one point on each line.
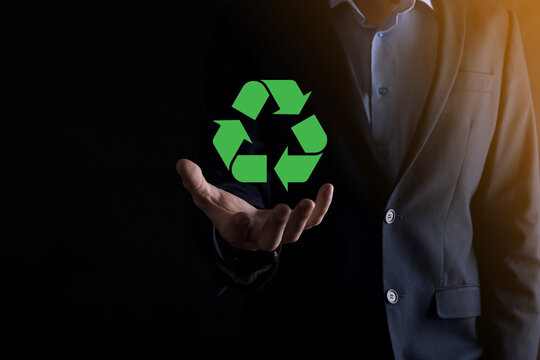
[485, 21]
[484, 14]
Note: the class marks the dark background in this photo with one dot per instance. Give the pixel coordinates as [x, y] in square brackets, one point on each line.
[99, 100]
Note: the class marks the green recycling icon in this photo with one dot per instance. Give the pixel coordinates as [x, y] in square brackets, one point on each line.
[253, 168]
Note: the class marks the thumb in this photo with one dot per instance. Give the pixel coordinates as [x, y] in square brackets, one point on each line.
[192, 177]
[203, 193]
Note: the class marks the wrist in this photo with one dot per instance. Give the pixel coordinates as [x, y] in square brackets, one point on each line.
[233, 255]
[243, 266]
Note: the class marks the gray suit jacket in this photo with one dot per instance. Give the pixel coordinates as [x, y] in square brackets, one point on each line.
[463, 253]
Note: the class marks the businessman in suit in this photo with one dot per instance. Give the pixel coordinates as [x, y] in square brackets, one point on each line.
[430, 247]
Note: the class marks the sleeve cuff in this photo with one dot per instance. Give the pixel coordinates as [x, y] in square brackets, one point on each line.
[244, 267]
[216, 245]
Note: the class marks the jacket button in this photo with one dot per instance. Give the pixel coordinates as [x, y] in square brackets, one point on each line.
[390, 216]
[392, 296]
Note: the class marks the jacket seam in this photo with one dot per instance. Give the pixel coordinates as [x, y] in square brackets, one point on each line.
[454, 191]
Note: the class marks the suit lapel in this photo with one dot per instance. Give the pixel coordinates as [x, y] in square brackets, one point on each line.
[452, 20]
[345, 91]
[339, 109]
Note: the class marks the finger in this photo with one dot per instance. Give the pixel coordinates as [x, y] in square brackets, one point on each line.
[205, 195]
[322, 203]
[297, 221]
[194, 182]
[272, 230]
[192, 176]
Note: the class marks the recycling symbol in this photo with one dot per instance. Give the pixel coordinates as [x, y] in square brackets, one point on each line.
[253, 168]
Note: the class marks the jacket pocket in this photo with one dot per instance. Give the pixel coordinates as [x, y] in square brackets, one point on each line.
[475, 81]
[458, 302]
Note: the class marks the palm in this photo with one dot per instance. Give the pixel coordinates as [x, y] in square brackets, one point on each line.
[245, 227]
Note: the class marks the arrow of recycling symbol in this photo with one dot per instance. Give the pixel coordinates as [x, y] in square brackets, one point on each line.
[252, 168]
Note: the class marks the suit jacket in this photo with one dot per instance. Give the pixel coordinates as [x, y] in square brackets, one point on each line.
[463, 252]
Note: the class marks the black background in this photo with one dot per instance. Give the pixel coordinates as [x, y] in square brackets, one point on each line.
[99, 101]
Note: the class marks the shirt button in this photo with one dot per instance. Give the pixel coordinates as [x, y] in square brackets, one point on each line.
[392, 296]
[380, 34]
[390, 216]
[383, 91]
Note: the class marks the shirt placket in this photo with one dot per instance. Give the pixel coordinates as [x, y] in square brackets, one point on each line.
[382, 94]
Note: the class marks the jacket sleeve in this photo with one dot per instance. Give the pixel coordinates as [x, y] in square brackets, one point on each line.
[506, 212]
[226, 70]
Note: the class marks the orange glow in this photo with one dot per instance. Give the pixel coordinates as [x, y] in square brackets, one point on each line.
[528, 13]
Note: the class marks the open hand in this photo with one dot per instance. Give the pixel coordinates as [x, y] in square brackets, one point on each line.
[245, 227]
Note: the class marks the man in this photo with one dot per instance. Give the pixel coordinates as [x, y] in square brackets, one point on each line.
[430, 247]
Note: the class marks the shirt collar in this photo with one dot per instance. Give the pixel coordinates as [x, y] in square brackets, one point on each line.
[334, 3]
